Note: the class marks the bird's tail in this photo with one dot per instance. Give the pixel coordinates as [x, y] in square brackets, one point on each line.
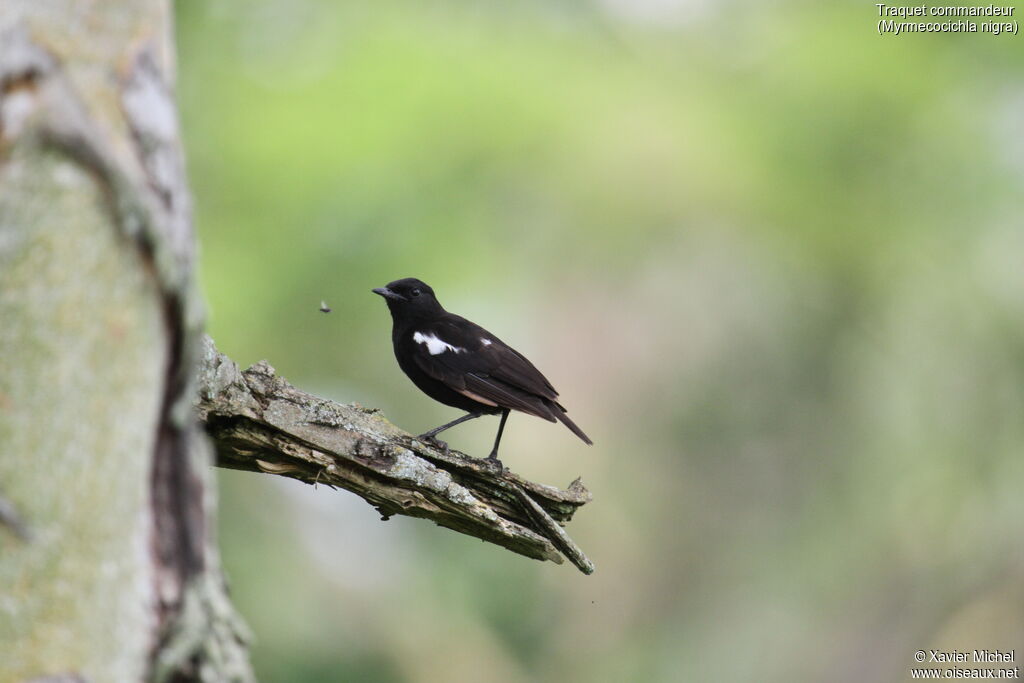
[559, 412]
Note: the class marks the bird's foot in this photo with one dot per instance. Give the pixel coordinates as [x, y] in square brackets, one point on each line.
[493, 462]
[434, 441]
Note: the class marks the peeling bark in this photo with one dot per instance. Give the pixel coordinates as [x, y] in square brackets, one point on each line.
[260, 423]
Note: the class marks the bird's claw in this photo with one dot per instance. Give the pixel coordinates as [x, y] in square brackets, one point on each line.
[493, 462]
[435, 442]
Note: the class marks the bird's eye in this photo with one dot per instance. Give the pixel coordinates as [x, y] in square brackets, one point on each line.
[415, 292]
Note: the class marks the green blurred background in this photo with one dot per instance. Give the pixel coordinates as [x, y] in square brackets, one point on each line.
[773, 261]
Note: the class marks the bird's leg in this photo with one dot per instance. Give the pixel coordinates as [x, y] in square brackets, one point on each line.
[429, 436]
[497, 440]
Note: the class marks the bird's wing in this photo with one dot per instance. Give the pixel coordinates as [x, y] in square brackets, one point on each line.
[503, 362]
[472, 361]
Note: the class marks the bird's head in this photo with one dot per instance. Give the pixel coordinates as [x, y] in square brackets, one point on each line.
[409, 297]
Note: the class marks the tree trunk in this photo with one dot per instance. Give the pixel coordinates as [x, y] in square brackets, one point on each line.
[108, 565]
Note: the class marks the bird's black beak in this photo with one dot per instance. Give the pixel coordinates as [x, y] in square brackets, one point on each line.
[388, 294]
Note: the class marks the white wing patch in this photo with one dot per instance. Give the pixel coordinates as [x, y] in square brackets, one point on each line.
[435, 345]
[485, 342]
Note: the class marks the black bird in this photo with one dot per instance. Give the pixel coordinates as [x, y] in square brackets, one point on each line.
[463, 365]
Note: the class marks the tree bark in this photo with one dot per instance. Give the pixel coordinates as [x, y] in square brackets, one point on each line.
[108, 565]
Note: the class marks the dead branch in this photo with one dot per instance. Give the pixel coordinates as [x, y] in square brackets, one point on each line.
[261, 423]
